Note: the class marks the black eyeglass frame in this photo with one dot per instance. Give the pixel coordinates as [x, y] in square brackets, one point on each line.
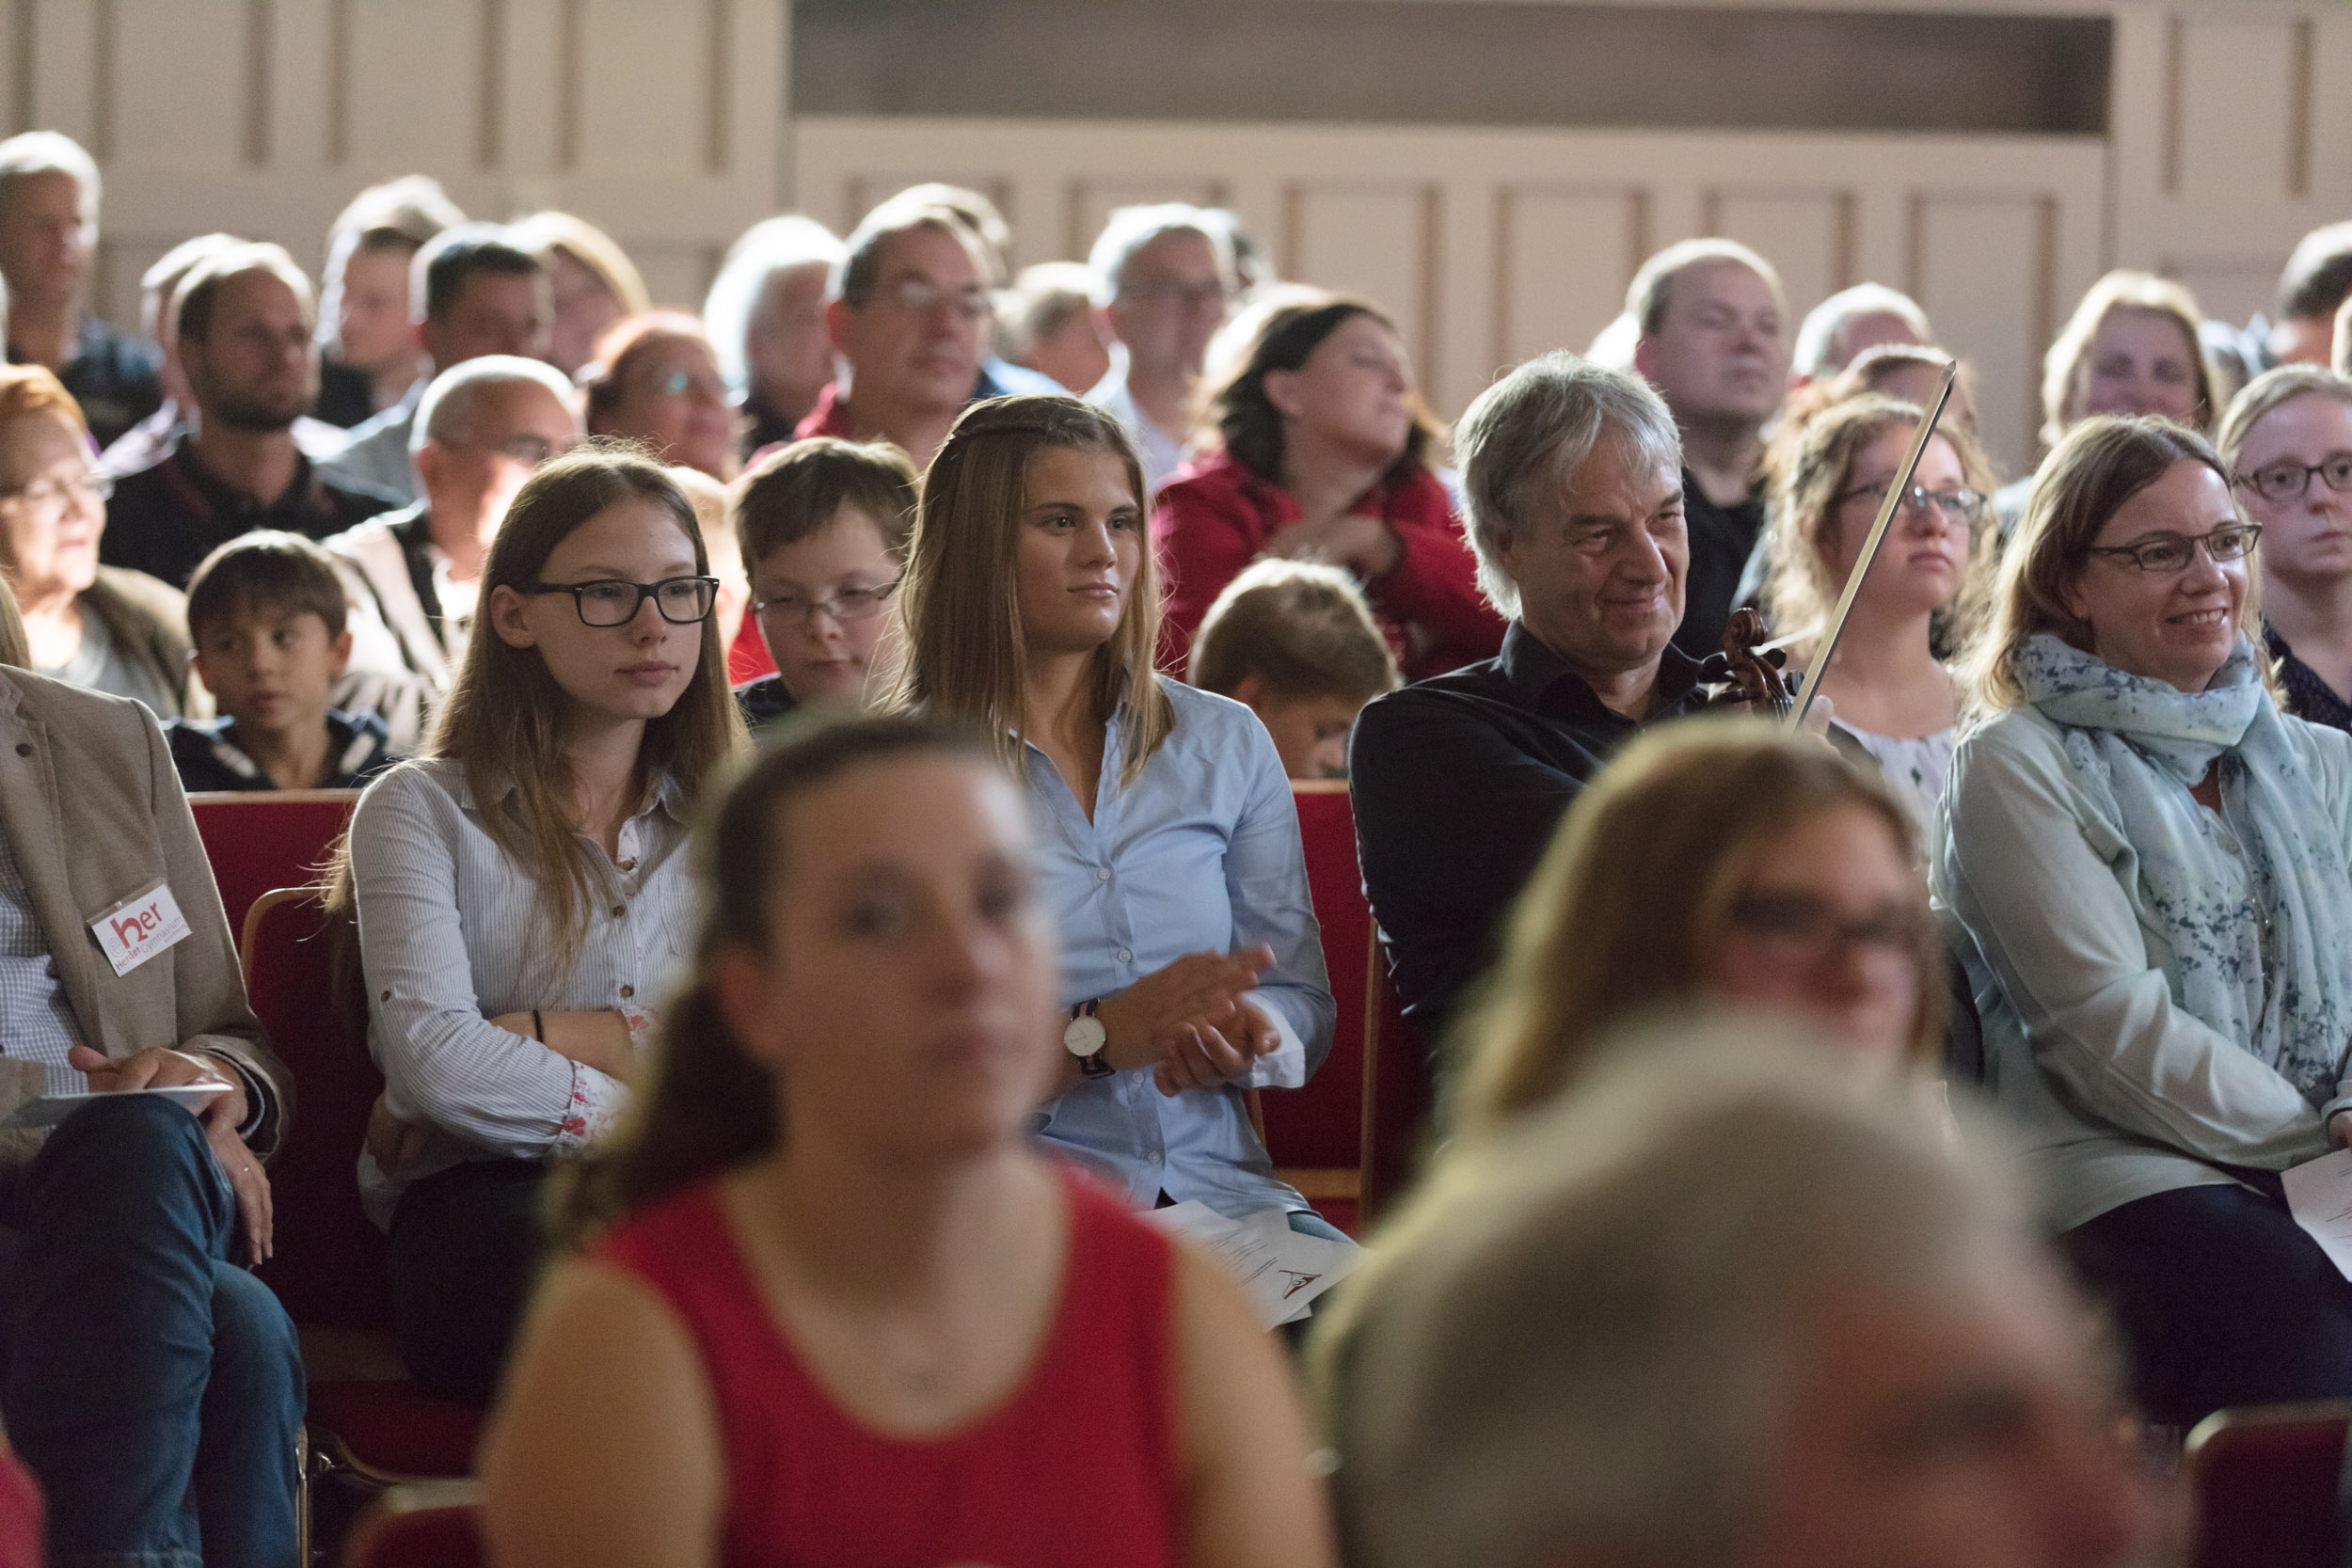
[2252, 533]
[2305, 472]
[644, 590]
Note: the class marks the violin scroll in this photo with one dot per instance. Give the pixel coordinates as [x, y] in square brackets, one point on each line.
[1756, 673]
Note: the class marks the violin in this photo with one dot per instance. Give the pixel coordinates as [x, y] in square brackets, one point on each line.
[1755, 671]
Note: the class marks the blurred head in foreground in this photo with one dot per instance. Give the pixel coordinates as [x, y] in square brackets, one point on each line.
[1723, 1306]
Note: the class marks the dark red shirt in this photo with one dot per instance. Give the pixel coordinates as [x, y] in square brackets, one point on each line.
[1213, 519]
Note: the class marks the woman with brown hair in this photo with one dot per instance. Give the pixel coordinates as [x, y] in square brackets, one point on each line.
[1192, 963]
[833, 1305]
[521, 888]
[2150, 871]
[656, 379]
[1323, 453]
[1715, 862]
[1897, 706]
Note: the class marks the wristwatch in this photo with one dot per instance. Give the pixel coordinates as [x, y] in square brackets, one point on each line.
[1086, 1038]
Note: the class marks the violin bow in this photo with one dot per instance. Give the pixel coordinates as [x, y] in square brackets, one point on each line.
[1888, 506]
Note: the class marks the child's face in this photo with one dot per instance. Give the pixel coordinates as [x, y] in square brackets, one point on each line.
[826, 629]
[1310, 733]
[271, 669]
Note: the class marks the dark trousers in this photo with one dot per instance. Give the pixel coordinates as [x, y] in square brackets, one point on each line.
[153, 1388]
[465, 1252]
[2220, 1301]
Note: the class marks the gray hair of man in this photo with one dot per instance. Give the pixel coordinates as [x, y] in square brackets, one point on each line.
[448, 404]
[1816, 354]
[1583, 1333]
[1129, 229]
[51, 152]
[1526, 436]
[739, 295]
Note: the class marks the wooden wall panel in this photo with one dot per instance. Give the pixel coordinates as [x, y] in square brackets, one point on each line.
[1980, 269]
[2236, 121]
[410, 77]
[1371, 238]
[182, 87]
[617, 127]
[1808, 236]
[1563, 256]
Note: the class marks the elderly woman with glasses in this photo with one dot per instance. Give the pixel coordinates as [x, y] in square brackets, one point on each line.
[2148, 873]
[112, 630]
[1897, 704]
[2288, 437]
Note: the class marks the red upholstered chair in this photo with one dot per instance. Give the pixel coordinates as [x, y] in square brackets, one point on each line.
[267, 839]
[1315, 1133]
[367, 1422]
[436, 1524]
[2267, 1486]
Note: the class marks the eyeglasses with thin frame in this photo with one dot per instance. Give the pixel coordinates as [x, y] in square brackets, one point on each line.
[1961, 506]
[612, 602]
[2172, 552]
[920, 296]
[1808, 930]
[2288, 481]
[1155, 292]
[849, 606]
[43, 494]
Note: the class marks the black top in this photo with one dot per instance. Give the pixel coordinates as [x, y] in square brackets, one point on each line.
[768, 428]
[1721, 539]
[764, 701]
[1458, 784]
[2308, 696]
[346, 396]
[206, 753]
[165, 520]
[112, 375]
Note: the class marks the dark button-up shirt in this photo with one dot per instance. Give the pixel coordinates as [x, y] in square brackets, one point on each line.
[764, 702]
[112, 375]
[208, 756]
[166, 520]
[1721, 539]
[2308, 696]
[1458, 784]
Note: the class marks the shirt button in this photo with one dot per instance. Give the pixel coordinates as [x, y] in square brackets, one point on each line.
[630, 864]
[619, 910]
[1124, 955]
[628, 991]
[53, 970]
[386, 997]
[1102, 872]
[1153, 1158]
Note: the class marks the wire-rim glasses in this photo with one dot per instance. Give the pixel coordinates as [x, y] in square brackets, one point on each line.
[2172, 552]
[848, 605]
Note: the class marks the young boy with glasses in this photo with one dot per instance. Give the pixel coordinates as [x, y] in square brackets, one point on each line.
[266, 613]
[823, 524]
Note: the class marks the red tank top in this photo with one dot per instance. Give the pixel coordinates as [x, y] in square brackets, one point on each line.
[1076, 1467]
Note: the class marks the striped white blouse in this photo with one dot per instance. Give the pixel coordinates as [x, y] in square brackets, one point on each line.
[452, 935]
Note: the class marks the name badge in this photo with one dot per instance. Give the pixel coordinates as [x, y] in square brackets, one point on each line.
[137, 928]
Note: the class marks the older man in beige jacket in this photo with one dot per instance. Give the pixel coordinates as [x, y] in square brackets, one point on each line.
[150, 1382]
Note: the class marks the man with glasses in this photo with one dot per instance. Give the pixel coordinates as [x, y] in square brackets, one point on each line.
[482, 428]
[910, 321]
[1164, 277]
[246, 322]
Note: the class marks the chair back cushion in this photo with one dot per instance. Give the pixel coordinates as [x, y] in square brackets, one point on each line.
[2267, 1486]
[268, 839]
[1320, 1125]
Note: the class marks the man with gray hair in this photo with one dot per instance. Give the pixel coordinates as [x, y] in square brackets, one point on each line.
[1836, 331]
[48, 236]
[483, 427]
[1164, 277]
[1573, 484]
[766, 315]
[1723, 1305]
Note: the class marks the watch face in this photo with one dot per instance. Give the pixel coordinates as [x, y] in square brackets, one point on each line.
[1084, 1035]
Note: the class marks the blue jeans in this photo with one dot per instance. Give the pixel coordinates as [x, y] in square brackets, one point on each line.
[153, 1388]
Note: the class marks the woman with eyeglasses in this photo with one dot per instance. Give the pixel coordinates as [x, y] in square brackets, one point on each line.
[656, 379]
[1716, 863]
[823, 524]
[522, 892]
[2288, 437]
[2145, 866]
[1897, 705]
[102, 628]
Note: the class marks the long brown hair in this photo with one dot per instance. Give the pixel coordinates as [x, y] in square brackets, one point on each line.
[503, 719]
[966, 655]
[2099, 465]
[1638, 886]
[708, 1106]
[1244, 418]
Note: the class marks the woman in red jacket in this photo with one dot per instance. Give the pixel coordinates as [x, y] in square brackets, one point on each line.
[1323, 454]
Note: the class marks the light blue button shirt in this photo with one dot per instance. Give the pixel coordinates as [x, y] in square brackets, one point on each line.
[1200, 854]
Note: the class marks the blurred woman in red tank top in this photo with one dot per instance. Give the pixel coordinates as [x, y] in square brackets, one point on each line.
[834, 1308]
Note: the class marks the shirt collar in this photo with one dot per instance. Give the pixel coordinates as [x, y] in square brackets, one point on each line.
[216, 495]
[1542, 682]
